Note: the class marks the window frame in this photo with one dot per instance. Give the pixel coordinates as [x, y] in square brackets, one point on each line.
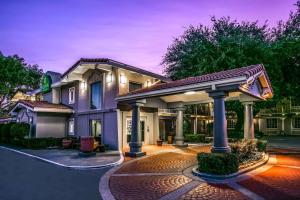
[100, 92]
[71, 95]
[271, 127]
[294, 123]
[136, 83]
[232, 122]
[69, 126]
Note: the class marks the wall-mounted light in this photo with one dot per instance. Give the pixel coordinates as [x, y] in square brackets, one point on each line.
[109, 78]
[122, 79]
[190, 92]
[83, 85]
[148, 83]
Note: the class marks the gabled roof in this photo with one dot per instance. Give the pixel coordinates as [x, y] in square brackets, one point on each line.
[246, 72]
[117, 64]
[42, 106]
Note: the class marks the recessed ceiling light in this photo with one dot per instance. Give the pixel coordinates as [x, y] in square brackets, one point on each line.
[190, 92]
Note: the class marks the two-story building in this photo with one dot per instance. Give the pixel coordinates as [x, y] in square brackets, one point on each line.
[127, 105]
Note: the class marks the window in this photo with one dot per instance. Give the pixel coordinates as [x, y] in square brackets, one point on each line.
[231, 123]
[71, 95]
[96, 128]
[134, 86]
[71, 126]
[272, 123]
[297, 122]
[96, 95]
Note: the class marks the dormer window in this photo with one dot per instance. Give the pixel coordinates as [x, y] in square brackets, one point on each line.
[72, 95]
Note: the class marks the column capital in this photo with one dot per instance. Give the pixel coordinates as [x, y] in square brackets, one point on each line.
[139, 103]
[217, 94]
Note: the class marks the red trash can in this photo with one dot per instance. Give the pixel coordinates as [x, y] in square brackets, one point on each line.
[87, 144]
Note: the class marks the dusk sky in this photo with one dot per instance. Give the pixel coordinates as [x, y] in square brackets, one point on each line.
[55, 34]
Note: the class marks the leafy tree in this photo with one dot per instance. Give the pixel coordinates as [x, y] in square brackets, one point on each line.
[16, 74]
[230, 44]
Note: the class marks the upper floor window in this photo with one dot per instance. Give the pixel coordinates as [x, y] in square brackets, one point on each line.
[272, 123]
[96, 95]
[134, 86]
[297, 122]
[71, 95]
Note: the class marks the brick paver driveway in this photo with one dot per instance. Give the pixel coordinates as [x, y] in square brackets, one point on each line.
[163, 176]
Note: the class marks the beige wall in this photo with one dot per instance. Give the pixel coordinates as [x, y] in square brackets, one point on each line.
[151, 126]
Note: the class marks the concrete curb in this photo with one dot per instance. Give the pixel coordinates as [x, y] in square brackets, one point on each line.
[206, 176]
[77, 167]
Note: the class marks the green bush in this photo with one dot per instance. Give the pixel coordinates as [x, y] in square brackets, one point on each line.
[5, 133]
[244, 149]
[235, 134]
[19, 131]
[218, 163]
[39, 143]
[258, 134]
[261, 145]
[194, 138]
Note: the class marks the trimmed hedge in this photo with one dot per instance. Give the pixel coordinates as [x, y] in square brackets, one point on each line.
[19, 131]
[194, 138]
[218, 163]
[5, 133]
[40, 143]
[261, 145]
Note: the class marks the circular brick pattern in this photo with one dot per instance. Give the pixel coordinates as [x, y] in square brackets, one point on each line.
[145, 187]
[165, 162]
[212, 191]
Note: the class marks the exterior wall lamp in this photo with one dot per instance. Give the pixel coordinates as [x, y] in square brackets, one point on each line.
[122, 79]
[109, 78]
[83, 85]
[148, 83]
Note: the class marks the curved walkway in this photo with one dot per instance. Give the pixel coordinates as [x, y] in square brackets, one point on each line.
[165, 176]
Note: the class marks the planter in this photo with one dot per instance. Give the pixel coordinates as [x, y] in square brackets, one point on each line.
[66, 143]
[170, 139]
[159, 142]
[87, 144]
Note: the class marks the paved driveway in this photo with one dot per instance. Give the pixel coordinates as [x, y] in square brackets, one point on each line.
[24, 178]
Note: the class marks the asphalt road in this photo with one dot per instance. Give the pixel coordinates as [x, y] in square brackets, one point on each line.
[24, 178]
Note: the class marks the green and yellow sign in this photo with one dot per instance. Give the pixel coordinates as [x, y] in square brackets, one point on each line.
[46, 83]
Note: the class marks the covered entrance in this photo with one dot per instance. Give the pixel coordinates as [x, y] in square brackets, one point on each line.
[247, 85]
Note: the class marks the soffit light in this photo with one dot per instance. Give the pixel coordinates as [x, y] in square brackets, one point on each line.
[190, 92]
[83, 85]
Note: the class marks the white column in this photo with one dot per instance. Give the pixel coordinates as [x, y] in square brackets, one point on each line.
[179, 139]
[248, 120]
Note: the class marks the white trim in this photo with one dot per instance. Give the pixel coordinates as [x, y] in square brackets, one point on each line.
[72, 95]
[179, 89]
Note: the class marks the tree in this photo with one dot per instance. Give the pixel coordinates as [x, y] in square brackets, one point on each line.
[16, 74]
[230, 44]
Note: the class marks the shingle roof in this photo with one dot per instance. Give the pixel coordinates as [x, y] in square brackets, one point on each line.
[119, 64]
[43, 104]
[232, 73]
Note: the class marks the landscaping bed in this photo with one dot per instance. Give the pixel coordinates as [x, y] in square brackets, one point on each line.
[244, 154]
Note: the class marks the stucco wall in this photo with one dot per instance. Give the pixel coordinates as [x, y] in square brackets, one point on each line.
[47, 97]
[49, 125]
[65, 94]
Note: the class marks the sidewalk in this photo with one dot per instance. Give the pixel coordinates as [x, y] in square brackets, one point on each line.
[69, 157]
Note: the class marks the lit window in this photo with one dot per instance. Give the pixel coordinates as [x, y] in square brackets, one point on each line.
[96, 95]
[297, 122]
[272, 123]
[71, 126]
[71, 95]
[231, 123]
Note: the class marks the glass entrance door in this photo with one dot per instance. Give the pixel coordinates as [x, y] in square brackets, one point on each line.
[96, 129]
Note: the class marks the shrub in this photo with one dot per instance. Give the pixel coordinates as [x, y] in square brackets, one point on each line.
[19, 131]
[261, 145]
[194, 138]
[218, 163]
[5, 133]
[235, 134]
[244, 149]
[258, 134]
[39, 143]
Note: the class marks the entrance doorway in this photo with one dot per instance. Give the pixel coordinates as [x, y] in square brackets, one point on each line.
[142, 129]
[96, 129]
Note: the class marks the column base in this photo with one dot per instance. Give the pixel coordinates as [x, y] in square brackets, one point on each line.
[221, 149]
[135, 146]
[135, 154]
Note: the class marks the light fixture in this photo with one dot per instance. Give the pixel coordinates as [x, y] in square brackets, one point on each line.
[122, 79]
[190, 92]
[148, 83]
[109, 78]
[83, 85]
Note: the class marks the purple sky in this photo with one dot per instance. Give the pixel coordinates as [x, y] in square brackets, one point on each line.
[55, 34]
